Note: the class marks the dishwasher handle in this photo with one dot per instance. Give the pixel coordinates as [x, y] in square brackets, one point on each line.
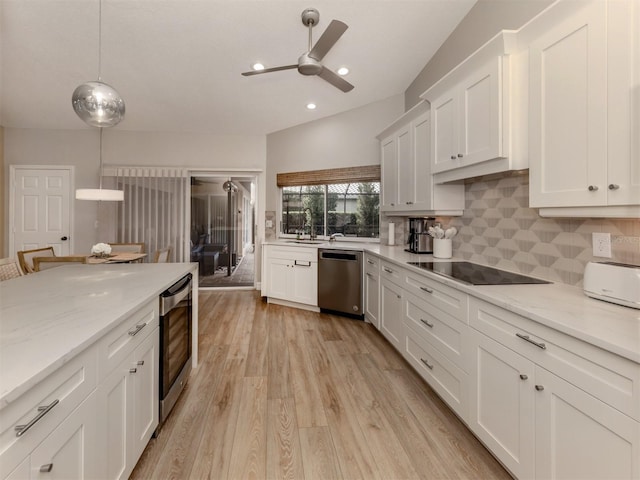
[332, 255]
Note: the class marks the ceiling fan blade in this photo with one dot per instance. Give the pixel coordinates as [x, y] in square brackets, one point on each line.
[335, 80]
[328, 39]
[268, 70]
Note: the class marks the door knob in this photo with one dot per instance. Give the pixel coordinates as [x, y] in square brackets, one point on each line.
[64, 238]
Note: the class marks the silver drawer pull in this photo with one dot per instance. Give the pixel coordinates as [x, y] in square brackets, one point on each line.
[429, 366]
[523, 376]
[140, 362]
[370, 262]
[453, 157]
[539, 388]
[614, 186]
[135, 331]
[22, 429]
[430, 325]
[46, 468]
[388, 270]
[425, 289]
[301, 263]
[133, 370]
[593, 188]
[409, 203]
[526, 338]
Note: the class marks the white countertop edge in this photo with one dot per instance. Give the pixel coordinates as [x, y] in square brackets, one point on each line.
[12, 391]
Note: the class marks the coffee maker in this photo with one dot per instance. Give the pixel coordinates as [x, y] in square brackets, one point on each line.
[419, 239]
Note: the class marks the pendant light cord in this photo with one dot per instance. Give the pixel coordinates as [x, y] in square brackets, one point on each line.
[100, 183]
[100, 41]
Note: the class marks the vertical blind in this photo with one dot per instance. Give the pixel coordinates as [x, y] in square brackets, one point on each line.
[154, 210]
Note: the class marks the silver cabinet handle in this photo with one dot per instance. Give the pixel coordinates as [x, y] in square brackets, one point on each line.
[409, 203]
[301, 264]
[369, 275]
[136, 330]
[392, 204]
[46, 468]
[523, 376]
[526, 338]
[539, 388]
[429, 366]
[430, 325]
[460, 155]
[388, 270]
[425, 289]
[453, 157]
[399, 297]
[593, 188]
[370, 262]
[140, 362]
[22, 429]
[614, 186]
[133, 370]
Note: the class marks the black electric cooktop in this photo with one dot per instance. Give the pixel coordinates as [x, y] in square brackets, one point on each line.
[475, 274]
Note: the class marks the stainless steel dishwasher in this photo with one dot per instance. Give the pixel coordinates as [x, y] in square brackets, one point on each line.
[340, 281]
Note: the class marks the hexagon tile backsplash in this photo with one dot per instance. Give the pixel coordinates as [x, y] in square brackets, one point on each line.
[499, 229]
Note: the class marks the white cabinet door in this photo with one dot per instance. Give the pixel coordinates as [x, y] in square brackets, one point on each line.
[444, 132]
[502, 404]
[389, 161]
[391, 317]
[568, 111]
[406, 168]
[278, 271]
[578, 436]
[72, 450]
[372, 298]
[115, 396]
[479, 136]
[145, 396]
[303, 282]
[422, 182]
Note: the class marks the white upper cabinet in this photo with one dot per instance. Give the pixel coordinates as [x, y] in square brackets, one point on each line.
[407, 183]
[474, 109]
[584, 82]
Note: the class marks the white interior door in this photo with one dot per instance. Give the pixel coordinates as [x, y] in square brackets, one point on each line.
[40, 208]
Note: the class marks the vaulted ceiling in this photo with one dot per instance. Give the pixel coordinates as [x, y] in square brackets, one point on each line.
[178, 63]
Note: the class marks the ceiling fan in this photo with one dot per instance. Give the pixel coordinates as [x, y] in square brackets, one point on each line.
[309, 62]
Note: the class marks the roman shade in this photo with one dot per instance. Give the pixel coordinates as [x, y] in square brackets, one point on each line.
[367, 173]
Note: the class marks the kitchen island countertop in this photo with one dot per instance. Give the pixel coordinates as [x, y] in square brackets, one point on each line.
[49, 317]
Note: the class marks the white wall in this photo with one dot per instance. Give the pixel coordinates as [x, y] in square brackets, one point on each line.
[344, 140]
[80, 148]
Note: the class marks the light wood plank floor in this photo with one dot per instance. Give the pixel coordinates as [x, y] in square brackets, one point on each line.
[285, 393]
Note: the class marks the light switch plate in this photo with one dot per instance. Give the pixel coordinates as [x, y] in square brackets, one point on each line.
[601, 244]
[269, 224]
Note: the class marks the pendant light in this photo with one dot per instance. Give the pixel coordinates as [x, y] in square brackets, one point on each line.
[98, 105]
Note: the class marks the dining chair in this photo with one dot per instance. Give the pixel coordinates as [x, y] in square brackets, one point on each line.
[25, 257]
[162, 255]
[9, 269]
[127, 247]
[45, 263]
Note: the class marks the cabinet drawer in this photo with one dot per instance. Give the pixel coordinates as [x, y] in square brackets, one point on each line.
[371, 265]
[439, 295]
[293, 253]
[391, 272]
[44, 407]
[444, 377]
[606, 376]
[123, 339]
[440, 329]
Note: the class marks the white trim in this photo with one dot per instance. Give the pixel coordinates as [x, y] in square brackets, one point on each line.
[12, 190]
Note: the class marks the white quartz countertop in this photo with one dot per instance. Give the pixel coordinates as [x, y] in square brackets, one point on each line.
[558, 306]
[49, 317]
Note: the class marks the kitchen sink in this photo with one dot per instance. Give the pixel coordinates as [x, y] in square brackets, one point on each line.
[307, 242]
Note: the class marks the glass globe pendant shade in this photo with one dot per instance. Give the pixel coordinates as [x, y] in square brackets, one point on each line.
[100, 194]
[98, 104]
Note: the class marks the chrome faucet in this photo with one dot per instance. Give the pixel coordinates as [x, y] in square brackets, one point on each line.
[332, 237]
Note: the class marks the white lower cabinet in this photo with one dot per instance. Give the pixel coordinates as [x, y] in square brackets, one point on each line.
[290, 274]
[372, 290]
[129, 399]
[391, 315]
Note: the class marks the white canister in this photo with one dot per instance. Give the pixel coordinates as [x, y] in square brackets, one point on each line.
[392, 233]
[442, 247]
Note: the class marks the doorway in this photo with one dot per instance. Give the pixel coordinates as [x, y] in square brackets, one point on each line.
[222, 236]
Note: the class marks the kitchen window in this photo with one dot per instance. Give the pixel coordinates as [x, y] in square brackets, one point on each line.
[350, 209]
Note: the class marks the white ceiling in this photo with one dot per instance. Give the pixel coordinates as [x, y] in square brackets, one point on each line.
[177, 63]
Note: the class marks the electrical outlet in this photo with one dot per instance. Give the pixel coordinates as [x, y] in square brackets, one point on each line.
[269, 224]
[601, 245]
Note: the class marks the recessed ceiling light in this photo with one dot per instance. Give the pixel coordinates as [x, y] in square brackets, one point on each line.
[343, 71]
[311, 106]
[257, 66]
